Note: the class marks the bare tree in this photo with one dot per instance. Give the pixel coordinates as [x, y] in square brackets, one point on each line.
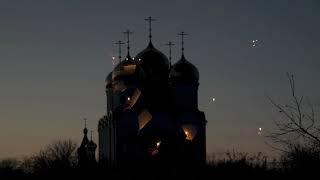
[62, 150]
[298, 123]
[57, 155]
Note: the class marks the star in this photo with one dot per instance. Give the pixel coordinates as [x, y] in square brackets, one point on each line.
[113, 60]
[259, 131]
[255, 43]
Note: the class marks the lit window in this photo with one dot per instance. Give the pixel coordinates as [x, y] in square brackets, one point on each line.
[143, 118]
[158, 144]
[129, 69]
[190, 131]
[154, 150]
[131, 101]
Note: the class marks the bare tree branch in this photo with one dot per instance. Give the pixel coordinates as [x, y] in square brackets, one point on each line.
[296, 123]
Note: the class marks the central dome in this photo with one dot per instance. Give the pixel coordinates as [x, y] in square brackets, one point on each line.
[154, 63]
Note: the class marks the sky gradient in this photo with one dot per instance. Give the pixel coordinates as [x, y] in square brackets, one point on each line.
[55, 55]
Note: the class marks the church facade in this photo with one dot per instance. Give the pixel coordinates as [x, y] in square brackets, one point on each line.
[152, 111]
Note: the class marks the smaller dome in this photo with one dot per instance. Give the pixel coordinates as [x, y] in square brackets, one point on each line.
[128, 70]
[119, 69]
[184, 72]
[85, 131]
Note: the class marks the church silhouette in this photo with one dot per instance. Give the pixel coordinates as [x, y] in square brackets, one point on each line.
[152, 110]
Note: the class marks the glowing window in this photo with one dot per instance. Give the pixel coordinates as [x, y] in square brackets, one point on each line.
[143, 118]
[190, 131]
[123, 71]
[154, 150]
[128, 70]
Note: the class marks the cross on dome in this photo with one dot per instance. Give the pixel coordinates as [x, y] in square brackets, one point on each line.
[128, 33]
[119, 43]
[182, 34]
[150, 19]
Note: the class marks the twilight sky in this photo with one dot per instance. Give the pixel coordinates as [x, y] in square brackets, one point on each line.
[54, 56]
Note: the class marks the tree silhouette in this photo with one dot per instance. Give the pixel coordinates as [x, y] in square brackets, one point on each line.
[56, 156]
[298, 132]
[9, 163]
[298, 123]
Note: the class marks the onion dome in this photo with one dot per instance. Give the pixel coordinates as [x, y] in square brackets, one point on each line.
[154, 63]
[184, 72]
[92, 145]
[85, 139]
[85, 131]
[128, 71]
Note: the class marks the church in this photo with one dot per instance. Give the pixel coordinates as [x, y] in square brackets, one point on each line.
[152, 110]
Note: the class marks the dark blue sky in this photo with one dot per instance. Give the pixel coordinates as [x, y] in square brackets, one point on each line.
[54, 56]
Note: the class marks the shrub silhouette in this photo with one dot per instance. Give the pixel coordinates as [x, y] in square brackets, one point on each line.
[301, 159]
